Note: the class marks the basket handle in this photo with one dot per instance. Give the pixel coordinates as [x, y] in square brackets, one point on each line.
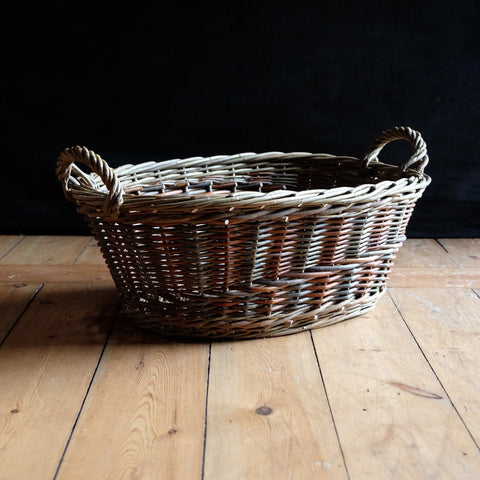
[66, 163]
[418, 161]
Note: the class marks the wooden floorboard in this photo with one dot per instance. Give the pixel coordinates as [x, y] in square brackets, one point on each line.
[145, 413]
[14, 299]
[46, 250]
[446, 324]
[46, 365]
[8, 242]
[393, 417]
[269, 417]
[84, 394]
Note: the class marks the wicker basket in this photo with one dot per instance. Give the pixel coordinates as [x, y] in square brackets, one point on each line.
[248, 245]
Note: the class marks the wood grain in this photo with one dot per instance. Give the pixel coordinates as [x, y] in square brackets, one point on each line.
[90, 255]
[7, 242]
[86, 274]
[464, 251]
[393, 418]
[434, 278]
[46, 250]
[446, 324]
[423, 253]
[47, 363]
[144, 416]
[268, 416]
[14, 298]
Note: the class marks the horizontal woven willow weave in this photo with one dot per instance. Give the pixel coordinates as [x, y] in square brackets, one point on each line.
[248, 245]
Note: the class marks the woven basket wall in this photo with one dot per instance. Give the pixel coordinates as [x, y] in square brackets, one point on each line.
[248, 245]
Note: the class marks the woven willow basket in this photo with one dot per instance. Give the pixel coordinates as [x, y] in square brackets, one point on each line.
[248, 245]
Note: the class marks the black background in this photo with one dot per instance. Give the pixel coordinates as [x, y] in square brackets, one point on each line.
[157, 81]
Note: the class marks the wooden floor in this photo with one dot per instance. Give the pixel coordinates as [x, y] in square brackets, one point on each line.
[83, 395]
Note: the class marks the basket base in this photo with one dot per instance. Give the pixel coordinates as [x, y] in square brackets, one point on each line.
[184, 326]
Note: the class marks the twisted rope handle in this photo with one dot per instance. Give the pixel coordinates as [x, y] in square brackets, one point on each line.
[418, 161]
[97, 164]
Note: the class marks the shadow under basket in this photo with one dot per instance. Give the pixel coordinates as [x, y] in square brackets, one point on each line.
[248, 245]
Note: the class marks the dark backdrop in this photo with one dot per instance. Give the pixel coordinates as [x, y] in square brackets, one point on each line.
[156, 81]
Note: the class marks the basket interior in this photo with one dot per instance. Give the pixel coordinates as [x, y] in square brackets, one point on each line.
[250, 172]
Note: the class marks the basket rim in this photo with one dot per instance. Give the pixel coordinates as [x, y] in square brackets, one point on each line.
[90, 195]
[102, 193]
